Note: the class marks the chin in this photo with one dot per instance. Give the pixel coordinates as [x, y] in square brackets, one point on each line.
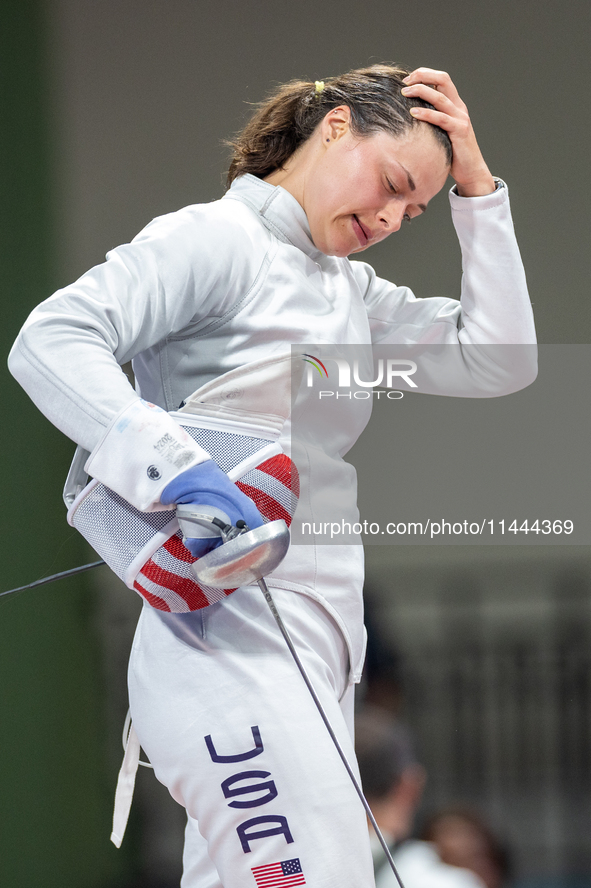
[341, 251]
[337, 246]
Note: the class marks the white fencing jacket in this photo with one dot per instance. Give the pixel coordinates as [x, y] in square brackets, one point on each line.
[215, 286]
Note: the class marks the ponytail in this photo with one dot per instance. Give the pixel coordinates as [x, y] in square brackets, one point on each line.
[291, 114]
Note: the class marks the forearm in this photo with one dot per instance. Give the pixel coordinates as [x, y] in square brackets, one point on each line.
[495, 305]
[80, 389]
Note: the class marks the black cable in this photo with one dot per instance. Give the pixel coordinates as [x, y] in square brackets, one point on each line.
[270, 601]
[58, 576]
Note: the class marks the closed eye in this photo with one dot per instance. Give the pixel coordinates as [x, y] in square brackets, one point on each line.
[391, 187]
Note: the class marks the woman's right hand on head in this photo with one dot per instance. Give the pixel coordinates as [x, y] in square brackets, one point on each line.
[473, 177]
[206, 485]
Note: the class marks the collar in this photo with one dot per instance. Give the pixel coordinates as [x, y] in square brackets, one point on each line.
[278, 210]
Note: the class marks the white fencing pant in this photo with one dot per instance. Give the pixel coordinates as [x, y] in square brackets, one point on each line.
[229, 725]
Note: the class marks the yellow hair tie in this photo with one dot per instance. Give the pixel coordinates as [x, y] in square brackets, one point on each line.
[319, 84]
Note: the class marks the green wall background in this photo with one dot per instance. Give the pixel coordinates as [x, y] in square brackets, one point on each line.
[55, 798]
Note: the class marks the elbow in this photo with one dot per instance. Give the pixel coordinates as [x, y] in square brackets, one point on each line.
[518, 368]
[498, 370]
[17, 364]
[530, 370]
[525, 366]
[23, 362]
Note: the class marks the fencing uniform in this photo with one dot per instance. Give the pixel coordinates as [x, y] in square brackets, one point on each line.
[217, 703]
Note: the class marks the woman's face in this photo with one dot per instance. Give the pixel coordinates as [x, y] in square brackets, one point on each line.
[361, 189]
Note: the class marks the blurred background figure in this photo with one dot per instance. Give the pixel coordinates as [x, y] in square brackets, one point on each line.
[381, 684]
[462, 838]
[393, 782]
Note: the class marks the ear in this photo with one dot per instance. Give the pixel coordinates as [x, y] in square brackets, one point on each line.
[336, 124]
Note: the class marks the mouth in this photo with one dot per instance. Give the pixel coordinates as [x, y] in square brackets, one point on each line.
[363, 236]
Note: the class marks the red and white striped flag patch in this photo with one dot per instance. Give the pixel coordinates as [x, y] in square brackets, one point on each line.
[283, 874]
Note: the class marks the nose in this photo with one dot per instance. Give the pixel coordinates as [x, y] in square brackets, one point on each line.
[390, 217]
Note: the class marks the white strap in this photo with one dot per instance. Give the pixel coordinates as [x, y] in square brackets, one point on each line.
[125, 785]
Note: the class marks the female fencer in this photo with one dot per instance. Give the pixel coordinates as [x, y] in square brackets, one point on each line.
[321, 172]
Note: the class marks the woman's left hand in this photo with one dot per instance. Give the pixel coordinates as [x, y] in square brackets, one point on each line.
[468, 168]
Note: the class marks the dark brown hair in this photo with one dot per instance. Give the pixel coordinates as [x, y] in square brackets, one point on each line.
[384, 750]
[293, 111]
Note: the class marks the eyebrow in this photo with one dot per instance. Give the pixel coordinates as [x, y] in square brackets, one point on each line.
[411, 181]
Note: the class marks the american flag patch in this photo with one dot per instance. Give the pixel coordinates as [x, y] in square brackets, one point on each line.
[279, 875]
